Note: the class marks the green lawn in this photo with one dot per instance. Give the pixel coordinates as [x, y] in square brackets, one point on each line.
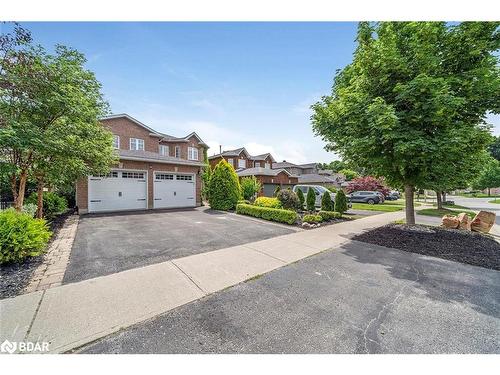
[451, 206]
[477, 195]
[440, 213]
[399, 202]
[496, 201]
[376, 207]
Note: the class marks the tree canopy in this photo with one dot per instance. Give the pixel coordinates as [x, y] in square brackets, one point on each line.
[50, 107]
[413, 101]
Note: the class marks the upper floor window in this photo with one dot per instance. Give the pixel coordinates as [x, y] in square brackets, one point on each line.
[116, 141]
[230, 161]
[256, 164]
[192, 153]
[163, 150]
[177, 151]
[267, 165]
[241, 163]
[137, 144]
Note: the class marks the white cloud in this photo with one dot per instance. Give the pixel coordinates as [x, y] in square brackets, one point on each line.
[495, 121]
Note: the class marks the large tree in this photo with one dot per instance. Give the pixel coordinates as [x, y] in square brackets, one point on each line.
[489, 177]
[494, 148]
[50, 107]
[411, 88]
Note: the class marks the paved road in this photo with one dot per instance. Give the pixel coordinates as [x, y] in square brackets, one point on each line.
[360, 298]
[106, 244]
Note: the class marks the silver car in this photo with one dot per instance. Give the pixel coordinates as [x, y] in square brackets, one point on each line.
[318, 190]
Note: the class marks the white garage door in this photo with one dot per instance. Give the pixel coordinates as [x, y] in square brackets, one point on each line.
[174, 190]
[119, 190]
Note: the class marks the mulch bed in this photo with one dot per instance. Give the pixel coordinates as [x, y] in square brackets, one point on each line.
[14, 277]
[451, 244]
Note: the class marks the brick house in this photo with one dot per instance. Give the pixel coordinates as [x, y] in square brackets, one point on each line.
[155, 170]
[260, 166]
[310, 174]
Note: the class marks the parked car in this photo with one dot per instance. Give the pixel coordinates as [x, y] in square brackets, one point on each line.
[319, 191]
[370, 197]
[393, 196]
[382, 196]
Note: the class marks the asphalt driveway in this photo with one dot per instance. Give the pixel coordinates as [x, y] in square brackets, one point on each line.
[360, 298]
[110, 243]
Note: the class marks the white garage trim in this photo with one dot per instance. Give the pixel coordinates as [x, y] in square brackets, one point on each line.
[118, 171]
[176, 180]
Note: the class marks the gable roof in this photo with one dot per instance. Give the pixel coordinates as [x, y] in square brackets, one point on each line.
[154, 133]
[259, 171]
[235, 152]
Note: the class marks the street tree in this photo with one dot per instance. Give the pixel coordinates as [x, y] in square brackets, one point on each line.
[489, 177]
[412, 87]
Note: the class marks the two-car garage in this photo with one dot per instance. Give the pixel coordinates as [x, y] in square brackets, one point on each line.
[128, 190]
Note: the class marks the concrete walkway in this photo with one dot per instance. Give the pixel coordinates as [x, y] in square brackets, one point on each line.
[69, 316]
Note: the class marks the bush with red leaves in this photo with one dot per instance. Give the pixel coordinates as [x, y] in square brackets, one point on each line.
[368, 183]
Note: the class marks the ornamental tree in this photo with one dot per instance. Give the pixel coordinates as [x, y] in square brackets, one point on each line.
[368, 183]
[411, 88]
[302, 199]
[50, 107]
[311, 200]
[249, 187]
[341, 202]
[224, 187]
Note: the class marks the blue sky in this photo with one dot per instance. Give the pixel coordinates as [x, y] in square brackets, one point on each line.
[235, 84]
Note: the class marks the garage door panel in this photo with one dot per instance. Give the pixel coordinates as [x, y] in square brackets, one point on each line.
[124, 190]
[174, 190]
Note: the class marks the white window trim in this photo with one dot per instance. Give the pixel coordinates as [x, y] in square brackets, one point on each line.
[178, 152]
[136, 142]
[117, 139]
[267, 165]
[231, 161]
[244, 163]
[191, 153]
[164, 147]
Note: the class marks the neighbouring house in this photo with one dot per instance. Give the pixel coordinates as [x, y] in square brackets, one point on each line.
[155, 170]
[310, 174]
[260, 166]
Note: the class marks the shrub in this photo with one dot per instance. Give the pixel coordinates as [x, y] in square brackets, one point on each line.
[312, 219]
[224, 187]
[277, 190]
[310, 200]
[302, 199]
[267, 213]
[30, 209]
[244, 201]
[267, 202]
[249, 187]
[340, 202]
[326, 202]
[21, 236]
[289, 200]
[329, 215]
[332, 188]
[53, 204]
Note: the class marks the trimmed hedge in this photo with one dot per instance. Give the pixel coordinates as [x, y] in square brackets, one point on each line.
[329, 215]
[311, 200]
[340, 201]
[267, 202]
[301, 197]
[326, 202]
[21, 236]
[267, 213]
[312, 219]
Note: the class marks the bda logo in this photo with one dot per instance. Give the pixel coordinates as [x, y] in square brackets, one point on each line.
[8, 347]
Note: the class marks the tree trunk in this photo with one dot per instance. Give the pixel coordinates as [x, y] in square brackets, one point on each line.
[439, 200]
[13, 186]
[18, 203]
[39, 201]
[444, 197]
[489, 191]
[410, 211]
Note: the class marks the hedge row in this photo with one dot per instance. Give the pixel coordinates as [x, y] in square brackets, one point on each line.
[267, 213]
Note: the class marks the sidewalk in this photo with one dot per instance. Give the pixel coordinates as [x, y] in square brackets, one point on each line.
[72, 315]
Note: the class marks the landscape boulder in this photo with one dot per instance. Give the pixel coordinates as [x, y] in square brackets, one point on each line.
[464, 221]
[483, 221]
[450, 221]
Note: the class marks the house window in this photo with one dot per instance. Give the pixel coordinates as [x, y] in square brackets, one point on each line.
[109, 175]
[137, 144]
[192, 153]
[132, 174]
[116, 141]
[267, 166]
[231, 161]
[241, 163]
[177, 151]
[163, 150]
[184, 177]
[256, 164]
